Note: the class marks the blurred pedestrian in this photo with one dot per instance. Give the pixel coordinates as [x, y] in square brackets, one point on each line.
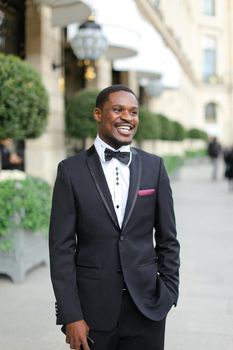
[214, 151]
[228, 158]
[111, 283]
[12, 156]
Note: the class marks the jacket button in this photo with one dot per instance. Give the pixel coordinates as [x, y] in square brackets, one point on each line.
[121, 238]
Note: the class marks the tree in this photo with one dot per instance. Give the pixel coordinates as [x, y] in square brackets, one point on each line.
[166, 127]
[179, 132]
[79, 120]
[149, 128]
[197, 134]
[23, 99]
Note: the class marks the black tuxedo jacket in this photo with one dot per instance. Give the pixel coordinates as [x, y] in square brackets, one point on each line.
[91, 256]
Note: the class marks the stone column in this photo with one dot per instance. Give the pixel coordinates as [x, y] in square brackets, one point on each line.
[104, 73]
[130, 79]
[43, 47]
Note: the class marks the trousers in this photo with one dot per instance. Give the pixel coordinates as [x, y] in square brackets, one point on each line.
[134, 331]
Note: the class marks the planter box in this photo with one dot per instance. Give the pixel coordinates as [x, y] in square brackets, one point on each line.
[30, 250]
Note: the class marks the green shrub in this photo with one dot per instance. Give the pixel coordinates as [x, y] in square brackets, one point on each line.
[172, 162]
[197, 134]
[179, 132]
[195, 153]
[23, 204]
[79, 119]
[166, 128]
[23, 99]
[149, 128]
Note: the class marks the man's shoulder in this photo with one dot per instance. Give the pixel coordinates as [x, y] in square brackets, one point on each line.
[146, 155]
[74, 160]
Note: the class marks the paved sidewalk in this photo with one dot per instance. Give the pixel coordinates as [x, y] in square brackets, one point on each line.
[203, 319]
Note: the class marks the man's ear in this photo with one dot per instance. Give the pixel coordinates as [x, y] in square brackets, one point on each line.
[97, 114]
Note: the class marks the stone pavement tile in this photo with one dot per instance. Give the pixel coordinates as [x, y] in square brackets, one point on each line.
[201, 321]
[27, 316]
[209, 291]
[192, 304]
[198, 341]
[203, 318]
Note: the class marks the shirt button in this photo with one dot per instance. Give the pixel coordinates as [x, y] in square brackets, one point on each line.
[121, 238]
[117, 206]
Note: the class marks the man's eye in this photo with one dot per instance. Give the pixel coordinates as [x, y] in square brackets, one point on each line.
[116, 110]
[134, 113]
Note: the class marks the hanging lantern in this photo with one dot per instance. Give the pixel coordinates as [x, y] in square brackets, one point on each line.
[89, 42]
[154, 88]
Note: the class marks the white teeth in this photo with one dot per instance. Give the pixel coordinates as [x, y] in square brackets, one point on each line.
[124, 127]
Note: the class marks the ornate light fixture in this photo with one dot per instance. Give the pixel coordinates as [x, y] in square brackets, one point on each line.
[89, 42]
[154, 88]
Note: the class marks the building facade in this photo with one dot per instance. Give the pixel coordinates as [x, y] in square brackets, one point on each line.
[200, 33]
[186, 38]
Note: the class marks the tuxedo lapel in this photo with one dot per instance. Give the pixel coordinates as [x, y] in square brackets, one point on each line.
[135, 178]
[94, 165]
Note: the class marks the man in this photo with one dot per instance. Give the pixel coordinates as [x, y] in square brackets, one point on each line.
[228, 159]
[214, 151]
[11, 155]
[111, 283]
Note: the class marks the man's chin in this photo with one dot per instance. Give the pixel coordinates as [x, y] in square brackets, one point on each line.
[117, 143]
[124, 142]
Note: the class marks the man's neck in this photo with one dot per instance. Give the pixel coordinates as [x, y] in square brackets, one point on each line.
[125, 148]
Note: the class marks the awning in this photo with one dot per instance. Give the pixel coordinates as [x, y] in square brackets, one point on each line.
[65, 12]
[118, 21]
[153, 60]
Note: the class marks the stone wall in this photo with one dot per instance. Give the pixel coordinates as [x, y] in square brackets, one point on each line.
[43, 47]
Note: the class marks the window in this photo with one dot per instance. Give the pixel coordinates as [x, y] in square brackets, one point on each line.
[209, 7]
[211, 112]
[12, 27]
[209, 46]
[155, 2]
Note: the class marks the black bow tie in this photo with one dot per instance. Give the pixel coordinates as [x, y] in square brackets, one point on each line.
[123, 157]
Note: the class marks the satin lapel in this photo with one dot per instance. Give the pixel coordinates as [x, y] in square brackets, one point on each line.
[135, 179]
[94, 165]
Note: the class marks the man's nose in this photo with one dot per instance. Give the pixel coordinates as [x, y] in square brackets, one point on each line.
[126, 115]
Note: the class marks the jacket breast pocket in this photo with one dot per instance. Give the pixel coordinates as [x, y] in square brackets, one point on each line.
[150, 197]
[87, 272]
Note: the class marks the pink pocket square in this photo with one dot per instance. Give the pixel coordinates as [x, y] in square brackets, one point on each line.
[146, 192]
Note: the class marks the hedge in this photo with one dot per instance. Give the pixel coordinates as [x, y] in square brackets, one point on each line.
[23, 99]
[79, 119]
[197, 134]
[149, 127]
[25, 204]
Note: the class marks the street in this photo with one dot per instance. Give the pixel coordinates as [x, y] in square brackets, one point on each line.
[203, 318]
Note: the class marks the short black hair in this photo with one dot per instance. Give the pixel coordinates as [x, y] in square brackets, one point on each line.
[104, 94]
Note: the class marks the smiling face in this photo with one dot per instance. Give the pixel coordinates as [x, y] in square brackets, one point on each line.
[118, 119]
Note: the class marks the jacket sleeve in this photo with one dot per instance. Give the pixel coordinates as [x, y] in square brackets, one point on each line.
[62, 247]
[167, 246]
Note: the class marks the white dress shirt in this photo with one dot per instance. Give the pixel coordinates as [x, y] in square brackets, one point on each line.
[117, 177]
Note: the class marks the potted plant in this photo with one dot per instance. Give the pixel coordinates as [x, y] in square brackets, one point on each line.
[149, 128]
[24, 207]
[24, 200]
[23, 100]
[79, 120]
